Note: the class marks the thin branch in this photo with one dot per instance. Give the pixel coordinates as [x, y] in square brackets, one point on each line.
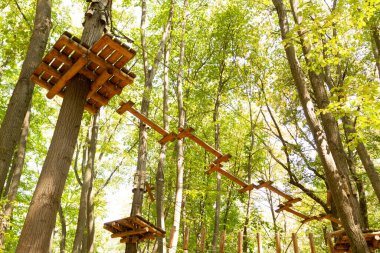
[23, 15]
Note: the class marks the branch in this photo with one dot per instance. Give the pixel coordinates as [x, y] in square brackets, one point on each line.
[23, 15]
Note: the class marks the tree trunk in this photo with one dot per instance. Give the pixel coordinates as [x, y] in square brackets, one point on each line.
[90, 224]
[41, 217]
[87, 177]
[335, 178]
[10, 130]
[15, 178]
[179, 146]
[10, 174]
[62, 243]
[160, 176]
[376, 46]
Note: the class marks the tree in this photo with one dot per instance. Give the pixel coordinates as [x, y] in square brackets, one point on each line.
[41, 217]
[11, 125]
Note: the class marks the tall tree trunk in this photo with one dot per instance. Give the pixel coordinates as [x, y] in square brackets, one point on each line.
[10, 174]
[179, 146]
[16, 177]
[89, 237]
[41, 217]
[336, 179]
[160, 176]
[217, 147]
[11, 126]
[138, 191]
[62, 243]
[83, 207]
[376, 46]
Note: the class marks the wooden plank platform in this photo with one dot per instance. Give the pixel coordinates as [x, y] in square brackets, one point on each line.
[102, 64]
[342, 242]
[133, 229]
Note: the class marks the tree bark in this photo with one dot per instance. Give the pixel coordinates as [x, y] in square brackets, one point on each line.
[15, 178]
[62, 243]
[41, 217]
[179, 146]
[81, 230]
[336, 179]
[11, 126]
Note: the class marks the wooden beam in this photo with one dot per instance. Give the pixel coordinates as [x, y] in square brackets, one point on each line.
[129, 107]
[204, 145]
[184, 133]
[331, 218]
[263, 183]
[213, 167]
[292, 201]
[80, 63]
[231, 177]
[169, 137]
[130, 232]
[288, 209]
[268, 185]
[104, 76]
[223, 158]
[149, 190]
[249, 187]
[295, 243]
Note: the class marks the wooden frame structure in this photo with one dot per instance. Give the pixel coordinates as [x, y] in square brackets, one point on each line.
[342, 242]
[102, 64]
[133, 229]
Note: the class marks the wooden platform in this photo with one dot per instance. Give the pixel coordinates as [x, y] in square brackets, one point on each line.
[103, 64]
[133, 229]
[342, 243]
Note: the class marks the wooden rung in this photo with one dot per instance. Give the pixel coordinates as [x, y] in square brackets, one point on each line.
[268, 185]
[331, 218]
[263, 183]
[127, 52]
[184, 133]
[130, 232]
[149, 190]
[49, 70]
[223, 158]
[292, 201]
[170, 137]
[214, 167]
[231, 177]
[99, 82]
[288, 209]
[129, 107]
[249, 187]
[67, 76]
[99, 99]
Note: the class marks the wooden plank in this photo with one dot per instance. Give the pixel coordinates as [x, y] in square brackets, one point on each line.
[114, 57]
[66, 77]
[249, 187]
[231, 177]
[223, 158]
[99, 82]
[169, 137]
[263, 183]
[222, 241]
[214, 167]
[43, 67]
[99, 45]
[204, 145]
[279, 192]
[99, 61]
[184, 133]
[129, 107]
[288, 209]
[312, 244]
[130, 232]
[106, 52]
[102, 101]
[295, 243]
[109, 228]
[127, 52]
[118, 227]
[259, 246]
[240, 242]
[278, 243]
[149, 190]
[292, 201]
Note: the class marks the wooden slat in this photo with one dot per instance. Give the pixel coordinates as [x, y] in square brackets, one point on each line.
[288, 209]
[223, 158]
[292, 201]
[114, 57]
[66, 77]
[249, 187]
[99, 82]
[99, 44]
[43, 67]
[214, 167]
[188, 133]
[149, 190]
[130, 232]
[184, 133]
[129, 107]
[117, 226]
[231, 177]
[106, 52]
[97, 60]
[170, 137]
[269, 186]
[128, 53]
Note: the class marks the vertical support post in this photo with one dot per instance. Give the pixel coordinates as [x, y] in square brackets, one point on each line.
[240, 242]
[278, 243]
[203, 239]
[222, 240]
[330, 243]
[312, 244]
[258, 237]
[295, 243]
[172, 231]
[186, 240]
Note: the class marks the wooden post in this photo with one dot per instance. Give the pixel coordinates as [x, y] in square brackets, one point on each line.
[186, 240]
[312, 245]
[278, 243]
[295, 243]
[258, 237]
[203, 239]
[172, 231]
[240, 242]
[222, 240]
